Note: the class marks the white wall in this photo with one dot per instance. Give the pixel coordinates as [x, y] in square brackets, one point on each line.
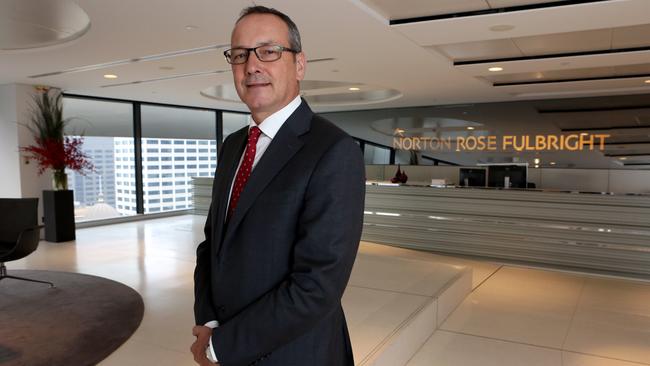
[629, 181]
[589, 180]
[9, 157]
[22, 180]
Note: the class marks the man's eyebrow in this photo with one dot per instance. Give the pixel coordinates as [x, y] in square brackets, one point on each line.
[262, 43]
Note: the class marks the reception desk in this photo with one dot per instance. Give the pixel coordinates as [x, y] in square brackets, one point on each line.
[579, 230]
[602, 232]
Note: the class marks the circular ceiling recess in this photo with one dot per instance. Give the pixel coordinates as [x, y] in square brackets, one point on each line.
[319, 93]
[26, 24]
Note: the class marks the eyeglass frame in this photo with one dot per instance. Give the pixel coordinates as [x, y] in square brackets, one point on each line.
[254, 49]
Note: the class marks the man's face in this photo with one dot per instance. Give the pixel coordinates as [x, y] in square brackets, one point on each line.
[266, 87]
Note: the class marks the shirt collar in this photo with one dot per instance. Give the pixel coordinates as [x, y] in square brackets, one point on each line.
[272, 123]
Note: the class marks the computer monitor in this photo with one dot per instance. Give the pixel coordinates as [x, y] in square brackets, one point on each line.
[517, 175]
[472, 177]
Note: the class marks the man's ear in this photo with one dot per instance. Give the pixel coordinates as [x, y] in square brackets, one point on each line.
[301, 63]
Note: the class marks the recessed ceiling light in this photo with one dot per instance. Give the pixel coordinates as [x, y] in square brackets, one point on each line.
[502, 27]
[536, 161]
[622, 158]
[647, 81]
[536, 166]
[191, 27]
[354, 89]
[470, 127]
[552, 163]
[495, 69]
[110, 76]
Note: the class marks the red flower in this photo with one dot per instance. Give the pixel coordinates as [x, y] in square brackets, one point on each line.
[59, 154]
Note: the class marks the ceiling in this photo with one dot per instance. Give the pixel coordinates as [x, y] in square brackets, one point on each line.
[399, 54]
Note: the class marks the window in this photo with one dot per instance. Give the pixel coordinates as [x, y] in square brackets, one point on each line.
[106, 126]
[375, 154]
[178, 127]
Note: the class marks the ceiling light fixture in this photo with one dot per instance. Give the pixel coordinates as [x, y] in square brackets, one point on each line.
[470, 127]
[536, 166]
[110, 76]
[552, 163]
[495, 69]
[536, 161]
[354, 89]
[622, 158]
[647, 81]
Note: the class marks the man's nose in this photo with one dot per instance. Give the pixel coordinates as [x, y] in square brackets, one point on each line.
[253, 63]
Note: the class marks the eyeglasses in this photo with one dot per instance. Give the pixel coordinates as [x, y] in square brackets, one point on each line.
[265, 53]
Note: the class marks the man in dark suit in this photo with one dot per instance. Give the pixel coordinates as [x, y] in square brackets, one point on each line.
[286, 217]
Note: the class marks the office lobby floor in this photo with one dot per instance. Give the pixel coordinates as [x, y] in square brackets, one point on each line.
[513, 315]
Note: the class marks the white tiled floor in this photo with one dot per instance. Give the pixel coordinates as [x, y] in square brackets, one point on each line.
[529, 317]
[514, 316]
[156, 257]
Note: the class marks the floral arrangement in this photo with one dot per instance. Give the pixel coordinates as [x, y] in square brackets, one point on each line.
[400, 176]
[52, 150]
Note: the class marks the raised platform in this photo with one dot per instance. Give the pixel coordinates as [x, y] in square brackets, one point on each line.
[394, 303]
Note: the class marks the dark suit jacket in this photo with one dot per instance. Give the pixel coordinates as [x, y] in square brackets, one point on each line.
[273, 276]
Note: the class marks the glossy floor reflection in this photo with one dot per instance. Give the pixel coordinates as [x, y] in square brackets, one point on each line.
[523, 316]
[514, 316]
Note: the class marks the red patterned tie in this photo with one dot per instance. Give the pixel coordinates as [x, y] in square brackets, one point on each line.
[245, 169]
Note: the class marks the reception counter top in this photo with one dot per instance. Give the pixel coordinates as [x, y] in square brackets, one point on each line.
[596, 231]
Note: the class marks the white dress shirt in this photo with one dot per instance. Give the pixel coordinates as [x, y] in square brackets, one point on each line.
[269, 127]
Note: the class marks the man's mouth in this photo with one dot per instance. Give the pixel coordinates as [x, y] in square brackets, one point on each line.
[257, 85]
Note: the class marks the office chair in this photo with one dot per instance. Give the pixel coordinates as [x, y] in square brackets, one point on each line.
[19, 232]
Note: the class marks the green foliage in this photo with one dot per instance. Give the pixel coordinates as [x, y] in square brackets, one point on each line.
[47, 122]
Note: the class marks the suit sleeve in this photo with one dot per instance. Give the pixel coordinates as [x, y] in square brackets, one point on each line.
[203, 307]
[329, 230]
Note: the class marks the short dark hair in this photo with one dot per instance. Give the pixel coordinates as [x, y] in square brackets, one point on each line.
[294, 34]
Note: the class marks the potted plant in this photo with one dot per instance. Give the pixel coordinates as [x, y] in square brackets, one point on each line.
[53, 150]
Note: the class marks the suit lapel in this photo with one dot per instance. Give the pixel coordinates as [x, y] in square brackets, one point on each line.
[283, 147]
[230, 161]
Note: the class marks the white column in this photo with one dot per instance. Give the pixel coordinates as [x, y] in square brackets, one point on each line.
[19, 178]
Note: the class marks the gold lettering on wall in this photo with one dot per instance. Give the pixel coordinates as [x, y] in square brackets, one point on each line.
[572, 142]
